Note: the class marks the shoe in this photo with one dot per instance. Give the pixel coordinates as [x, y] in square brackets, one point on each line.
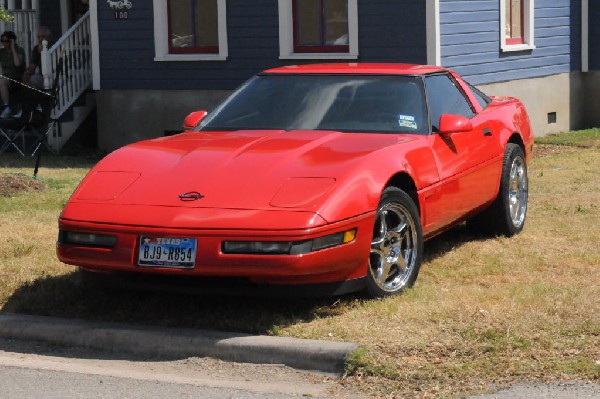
[6, 113]
[17, 114]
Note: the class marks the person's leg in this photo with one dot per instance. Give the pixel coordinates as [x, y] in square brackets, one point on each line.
[37, 81]
[4, 93]
[5, 96]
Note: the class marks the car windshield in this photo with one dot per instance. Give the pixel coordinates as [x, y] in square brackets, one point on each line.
[345, 103]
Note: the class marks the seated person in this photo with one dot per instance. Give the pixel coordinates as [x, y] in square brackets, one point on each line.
[33, 75]
[12, 61]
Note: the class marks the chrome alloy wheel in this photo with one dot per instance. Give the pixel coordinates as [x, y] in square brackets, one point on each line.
[517, 192]
[394, 248]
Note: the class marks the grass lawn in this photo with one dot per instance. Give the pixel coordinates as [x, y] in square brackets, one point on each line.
[484, 311]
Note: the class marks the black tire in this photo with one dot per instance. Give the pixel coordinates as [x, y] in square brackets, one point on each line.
[396, 247]
[506, 216]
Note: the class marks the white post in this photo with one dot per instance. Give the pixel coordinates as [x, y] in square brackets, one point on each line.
[433, 32]
[585, 49]
[46, 65]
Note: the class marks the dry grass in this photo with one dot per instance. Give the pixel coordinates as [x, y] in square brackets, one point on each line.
[484, 311]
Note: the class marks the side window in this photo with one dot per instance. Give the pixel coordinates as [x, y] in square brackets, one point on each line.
[482, 99]
[445, 97]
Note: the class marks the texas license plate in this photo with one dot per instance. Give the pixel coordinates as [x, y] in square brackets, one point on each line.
[167, 252]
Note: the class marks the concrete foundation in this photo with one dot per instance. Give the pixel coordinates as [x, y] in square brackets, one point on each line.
[127, 116]
[554, 103]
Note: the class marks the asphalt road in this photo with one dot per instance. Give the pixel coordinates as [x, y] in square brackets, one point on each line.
[564, 390]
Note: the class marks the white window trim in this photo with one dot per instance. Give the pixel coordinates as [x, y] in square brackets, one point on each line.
[528, 27]
[286, 35]
[161, 35]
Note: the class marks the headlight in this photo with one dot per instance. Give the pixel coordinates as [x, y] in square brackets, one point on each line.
[256, 247]
[87, 239]
[288, 247]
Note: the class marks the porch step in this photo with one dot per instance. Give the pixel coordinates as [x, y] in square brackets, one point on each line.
[85, 138]
[71, 120]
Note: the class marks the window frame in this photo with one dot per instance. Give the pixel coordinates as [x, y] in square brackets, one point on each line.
[287, 30]
[161, 36]
[526, 41]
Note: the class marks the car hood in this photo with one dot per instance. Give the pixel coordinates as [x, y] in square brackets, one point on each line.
[234, 170]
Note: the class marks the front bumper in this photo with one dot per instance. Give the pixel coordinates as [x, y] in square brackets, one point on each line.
[339, 263]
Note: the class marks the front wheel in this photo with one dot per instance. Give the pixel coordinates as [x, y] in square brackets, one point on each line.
[396, 247]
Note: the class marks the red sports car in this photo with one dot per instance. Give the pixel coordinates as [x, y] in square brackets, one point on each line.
[328, 175]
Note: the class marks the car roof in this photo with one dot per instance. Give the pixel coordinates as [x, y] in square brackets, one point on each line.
[358, 68]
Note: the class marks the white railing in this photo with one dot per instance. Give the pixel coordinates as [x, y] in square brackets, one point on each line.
[74, 48]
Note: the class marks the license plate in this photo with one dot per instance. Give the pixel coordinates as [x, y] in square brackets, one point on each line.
[167, 252]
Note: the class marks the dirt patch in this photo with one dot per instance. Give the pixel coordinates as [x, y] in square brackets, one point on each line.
[544, 150]
[12, 184]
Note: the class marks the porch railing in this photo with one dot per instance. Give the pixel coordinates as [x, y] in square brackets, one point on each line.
[75, 48]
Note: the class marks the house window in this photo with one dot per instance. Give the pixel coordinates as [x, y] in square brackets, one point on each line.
[516, 25]
[193, 26]
[320, 26]
[514, 22]
[313, 29]
[190, 30]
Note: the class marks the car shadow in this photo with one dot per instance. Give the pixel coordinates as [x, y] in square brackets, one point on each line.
[71, 296]
[449, 240]
[205, 303]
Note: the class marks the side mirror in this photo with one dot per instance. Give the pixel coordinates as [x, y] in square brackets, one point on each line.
[454, 124]
[193, 119]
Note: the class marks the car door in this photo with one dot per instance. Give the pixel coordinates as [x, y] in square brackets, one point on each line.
[468, 161]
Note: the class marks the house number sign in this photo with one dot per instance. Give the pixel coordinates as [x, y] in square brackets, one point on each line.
[120, 7]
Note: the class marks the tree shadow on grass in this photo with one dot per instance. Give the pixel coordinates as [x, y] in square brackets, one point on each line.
[204, 303]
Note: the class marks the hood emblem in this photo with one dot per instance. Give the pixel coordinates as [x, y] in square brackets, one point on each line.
[191, 196]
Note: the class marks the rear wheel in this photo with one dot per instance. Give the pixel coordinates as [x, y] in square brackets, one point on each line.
[506, 216]
[397, 245]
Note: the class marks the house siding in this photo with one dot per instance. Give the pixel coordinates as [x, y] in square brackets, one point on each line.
[392, 31]
[388, 32]
[470, 41]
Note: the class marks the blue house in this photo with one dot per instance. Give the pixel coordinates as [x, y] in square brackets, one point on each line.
[151, 62]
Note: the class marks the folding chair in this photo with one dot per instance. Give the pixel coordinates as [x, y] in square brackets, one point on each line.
[40, 124]
[13, 132]
[35, 120]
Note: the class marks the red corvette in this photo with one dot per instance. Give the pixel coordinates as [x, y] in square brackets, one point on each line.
[326, 175]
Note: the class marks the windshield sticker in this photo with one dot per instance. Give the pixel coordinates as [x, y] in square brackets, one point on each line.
[407, 121]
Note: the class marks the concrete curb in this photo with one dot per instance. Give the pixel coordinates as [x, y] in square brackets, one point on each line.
[304, 354]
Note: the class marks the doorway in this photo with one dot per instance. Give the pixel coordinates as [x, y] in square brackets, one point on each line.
[76, 10]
